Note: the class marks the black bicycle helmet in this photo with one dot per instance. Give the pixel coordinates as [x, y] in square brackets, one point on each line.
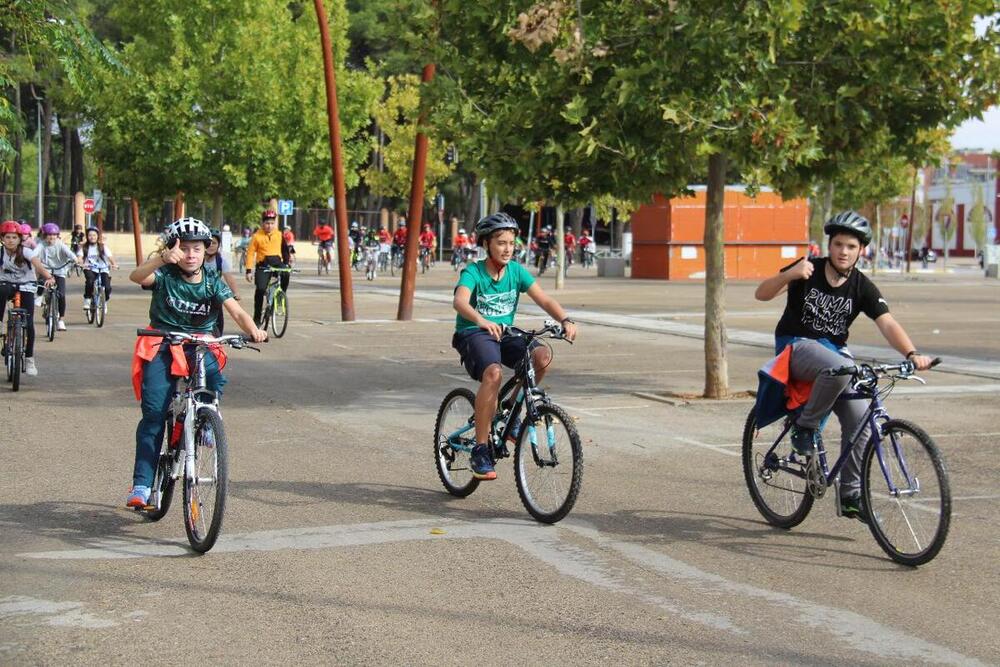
[494, 223]
[187, 229]
[851, 223]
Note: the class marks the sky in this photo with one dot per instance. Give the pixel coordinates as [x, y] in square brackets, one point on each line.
[984, 134]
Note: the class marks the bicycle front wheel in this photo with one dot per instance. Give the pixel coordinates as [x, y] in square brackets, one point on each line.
[16, 360]
[279, 318]
[205, 494]
[907, 497]
[51, 317]
[454, 438]
[777, 484]
[98, 306]
[548, 464]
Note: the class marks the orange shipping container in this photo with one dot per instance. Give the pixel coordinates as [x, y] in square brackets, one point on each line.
[762, 234]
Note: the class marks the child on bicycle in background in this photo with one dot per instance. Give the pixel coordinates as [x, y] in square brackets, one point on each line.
[56, 256]
[486, 299]
[19, 268]
[186, 298]
[216, 262]
[96, 259]
[268, 249]
[825, 295]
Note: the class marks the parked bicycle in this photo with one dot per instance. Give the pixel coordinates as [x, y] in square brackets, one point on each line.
[905, 494]
[15, 340]
[276, 302]
[548, 457]
[194, 448]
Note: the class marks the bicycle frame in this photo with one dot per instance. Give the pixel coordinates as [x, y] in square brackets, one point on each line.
[875, 415]
[529, 395]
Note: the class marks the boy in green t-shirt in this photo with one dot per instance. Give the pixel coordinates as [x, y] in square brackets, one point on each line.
[186, 298]
[486, 300]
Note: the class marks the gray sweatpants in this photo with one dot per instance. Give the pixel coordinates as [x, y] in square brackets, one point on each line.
[809, 359]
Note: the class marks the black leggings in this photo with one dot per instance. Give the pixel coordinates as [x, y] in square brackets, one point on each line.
[7, 291]
[88, 286]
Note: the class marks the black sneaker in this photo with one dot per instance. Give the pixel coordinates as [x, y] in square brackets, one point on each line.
[851, 508]
[804, 441]
[481, 463]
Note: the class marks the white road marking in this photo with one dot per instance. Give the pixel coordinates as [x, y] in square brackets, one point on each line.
[67, 614]
[460, 378]
[966, 435]
[705, 445]
[948, 389]
[394, 361]
[646, 372]
[590, 566]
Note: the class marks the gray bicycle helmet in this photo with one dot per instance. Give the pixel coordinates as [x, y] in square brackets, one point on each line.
[187, 229]
[851, 223]
[495, 223]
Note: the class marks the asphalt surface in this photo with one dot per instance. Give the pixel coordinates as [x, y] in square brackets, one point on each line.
[340, 545]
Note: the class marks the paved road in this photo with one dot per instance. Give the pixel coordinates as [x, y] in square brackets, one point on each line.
[340, 545]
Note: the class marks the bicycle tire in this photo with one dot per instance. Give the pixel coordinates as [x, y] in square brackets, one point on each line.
[924, 464]
[162, 479]
[550, 465]
[17, 357]
[789, 491]
[279, 316]
[202, 534]
[99, 303]
[453, 465]
[50, 312]
[89, 312]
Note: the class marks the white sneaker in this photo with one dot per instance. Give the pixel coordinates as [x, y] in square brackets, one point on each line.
[39, 302]
[29, 366]
[60, 326]
[86, 304]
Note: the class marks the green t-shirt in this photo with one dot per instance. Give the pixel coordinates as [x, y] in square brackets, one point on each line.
[496, 300]
[178, 305]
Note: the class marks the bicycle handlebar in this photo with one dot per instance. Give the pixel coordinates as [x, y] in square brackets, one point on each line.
[237, 341]
[551, 329]
[905, 369]
[278, 269]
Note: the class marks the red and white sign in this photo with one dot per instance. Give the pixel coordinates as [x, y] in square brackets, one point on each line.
[88, 206]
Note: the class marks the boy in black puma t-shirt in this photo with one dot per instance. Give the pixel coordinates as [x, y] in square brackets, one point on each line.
[825, 295]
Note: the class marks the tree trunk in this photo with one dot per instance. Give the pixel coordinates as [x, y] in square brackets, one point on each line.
[18, 148]
[716, 366]
[66, 190]
[560, 248]
[826, 211]
[77, 177]
[217, 209]
[576, 216]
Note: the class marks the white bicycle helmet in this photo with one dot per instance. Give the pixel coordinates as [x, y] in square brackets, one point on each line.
[187, 229]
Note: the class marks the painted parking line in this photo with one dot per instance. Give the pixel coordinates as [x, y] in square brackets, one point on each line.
[705, 445]
[598, 565]
[992, 434]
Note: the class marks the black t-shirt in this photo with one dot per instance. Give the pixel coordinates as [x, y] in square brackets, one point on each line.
[816, 310]
[544, 242]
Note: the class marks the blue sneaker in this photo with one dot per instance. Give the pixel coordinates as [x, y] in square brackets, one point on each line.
[138, 497]
[481, 463]
[804, 441]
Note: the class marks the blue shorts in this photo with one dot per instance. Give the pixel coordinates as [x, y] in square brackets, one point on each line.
[479, 350]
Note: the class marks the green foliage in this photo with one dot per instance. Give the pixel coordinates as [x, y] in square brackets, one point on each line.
[398, 115]
[227, 97]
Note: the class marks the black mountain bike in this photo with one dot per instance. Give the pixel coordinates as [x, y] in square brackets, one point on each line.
[98, 302]
[15, 339]
[276, 302]
[548, 457]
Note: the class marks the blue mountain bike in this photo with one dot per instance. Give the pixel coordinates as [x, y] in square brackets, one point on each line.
[905, 495]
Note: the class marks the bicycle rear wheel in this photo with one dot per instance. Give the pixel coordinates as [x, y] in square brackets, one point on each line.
[205, 495]
[90, 311]
[16, 357]
[548, 464]
[777, 485]
[454, 438]
[910, 515]
[97, 303]
[279, 321]
[163, 483]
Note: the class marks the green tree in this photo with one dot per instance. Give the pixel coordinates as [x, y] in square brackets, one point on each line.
[977, 218]
[397, 116]
[945, 218]
[225, 99]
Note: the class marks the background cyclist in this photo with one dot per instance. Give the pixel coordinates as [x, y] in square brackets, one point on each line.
[323, 233]
[19, 268]
[486, 299]
[825, 295]
[96, 259]
[56, 256]
[267, 249]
